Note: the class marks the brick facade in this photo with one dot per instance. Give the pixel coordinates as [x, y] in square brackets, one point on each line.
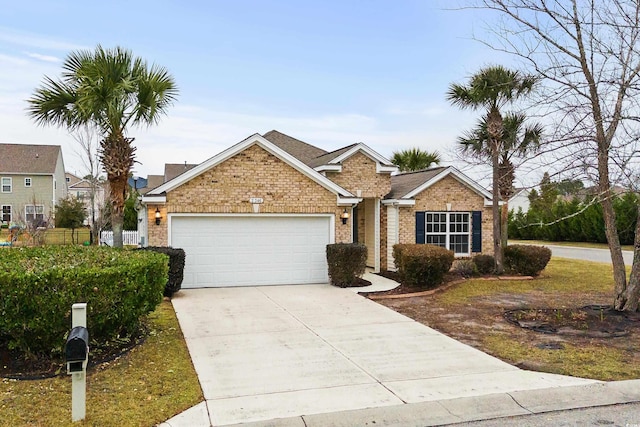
[359, 173]
[227, 188]
[435, 198]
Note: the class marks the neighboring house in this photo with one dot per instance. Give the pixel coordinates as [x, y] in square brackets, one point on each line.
[263, 211]
[32, 181]
[519, 200]
[81, 189]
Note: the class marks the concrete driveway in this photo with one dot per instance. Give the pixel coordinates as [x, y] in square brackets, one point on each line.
[274, 352]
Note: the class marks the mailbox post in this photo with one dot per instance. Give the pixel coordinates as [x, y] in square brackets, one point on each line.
[76, 353]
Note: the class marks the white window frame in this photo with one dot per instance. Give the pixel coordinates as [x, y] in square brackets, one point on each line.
[35, 212]
[2, 213]
[437, 226]
[10, 184]
[28, 182]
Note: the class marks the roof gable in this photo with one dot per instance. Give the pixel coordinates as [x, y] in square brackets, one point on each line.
[409, 185]
[255, 139]
[29, 159]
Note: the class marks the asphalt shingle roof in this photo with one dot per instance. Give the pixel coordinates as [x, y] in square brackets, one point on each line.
[404, 183]
[28, 158]
[302, 151]
[172, 170]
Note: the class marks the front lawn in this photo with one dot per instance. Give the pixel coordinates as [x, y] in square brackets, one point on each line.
[474, 312]
[146, 386]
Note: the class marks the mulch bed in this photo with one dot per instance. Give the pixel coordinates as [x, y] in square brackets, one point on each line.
[15, 365]
[596, 321]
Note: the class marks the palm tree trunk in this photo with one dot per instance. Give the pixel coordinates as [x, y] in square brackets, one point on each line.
[494, 132]
[498, 253]
[504, 223]
[117, 156]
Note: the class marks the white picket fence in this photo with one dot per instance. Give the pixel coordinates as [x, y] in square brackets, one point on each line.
[129, 237]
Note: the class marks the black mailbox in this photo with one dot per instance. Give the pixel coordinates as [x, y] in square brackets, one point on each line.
[77, 348]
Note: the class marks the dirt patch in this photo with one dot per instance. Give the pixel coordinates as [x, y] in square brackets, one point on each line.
[576, 320]
[596, 321]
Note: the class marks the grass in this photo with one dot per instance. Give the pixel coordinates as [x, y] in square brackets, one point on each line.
[150, 384]
[472, 312]
[573, 244]
[586, 361]
[561, 275]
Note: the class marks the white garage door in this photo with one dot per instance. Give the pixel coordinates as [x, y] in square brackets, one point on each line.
[252, 250]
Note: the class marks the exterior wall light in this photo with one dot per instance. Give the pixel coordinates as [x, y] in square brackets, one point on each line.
[345, 216]
[158, 216]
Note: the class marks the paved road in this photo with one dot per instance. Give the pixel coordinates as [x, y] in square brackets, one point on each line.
[587, 254]
[627, 415]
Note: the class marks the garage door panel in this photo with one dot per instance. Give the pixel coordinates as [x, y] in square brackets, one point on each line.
[248, 251]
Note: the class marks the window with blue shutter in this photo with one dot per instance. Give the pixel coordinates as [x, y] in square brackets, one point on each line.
[476, 231]
[420, 227]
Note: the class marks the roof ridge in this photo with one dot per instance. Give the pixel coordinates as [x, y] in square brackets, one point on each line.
[291, 137]
[421, 170]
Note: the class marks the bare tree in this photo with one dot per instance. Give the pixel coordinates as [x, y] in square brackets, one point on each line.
[87, 138]
[588, 53]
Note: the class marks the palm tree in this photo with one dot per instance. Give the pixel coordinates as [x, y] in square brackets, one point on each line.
[518, 140]
[491, 89]
[414, 159]
[113, 90]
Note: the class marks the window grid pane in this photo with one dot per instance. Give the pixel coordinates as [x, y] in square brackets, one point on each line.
[449, 230]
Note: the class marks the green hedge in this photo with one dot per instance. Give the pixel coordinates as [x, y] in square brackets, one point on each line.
[422, 266]
[347, 262]
[38, 286]
[525, 259]
[176, 267]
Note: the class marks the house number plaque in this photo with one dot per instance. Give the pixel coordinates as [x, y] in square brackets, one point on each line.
[256, 200]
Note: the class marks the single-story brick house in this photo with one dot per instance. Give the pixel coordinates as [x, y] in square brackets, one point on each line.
[263, 211]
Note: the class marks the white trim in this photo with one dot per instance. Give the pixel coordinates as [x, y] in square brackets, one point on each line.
[10, 184]
[154, 199]
[332, 219]
[393, 234]
[448, 233]
[385, 169]
[399, 202]
[450, 170]
[329, 168]
[255, 139]
[366, 150]
[2, 213]
[344, 201]
[376, 235]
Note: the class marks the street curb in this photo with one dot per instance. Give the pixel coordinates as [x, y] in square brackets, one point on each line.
[466, 409]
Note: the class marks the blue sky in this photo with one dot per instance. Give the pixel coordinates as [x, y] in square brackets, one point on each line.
[328, 72]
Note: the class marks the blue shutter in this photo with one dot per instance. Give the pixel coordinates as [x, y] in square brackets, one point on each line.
[419, 227]
[476, 231]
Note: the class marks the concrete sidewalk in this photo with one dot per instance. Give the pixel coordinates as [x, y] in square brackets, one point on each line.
[320, 355]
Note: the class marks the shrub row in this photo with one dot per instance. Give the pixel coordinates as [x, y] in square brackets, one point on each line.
[38, 286]
[422, 266]
[583, 222]
[176, 267]
[526, 259]
[347, 262]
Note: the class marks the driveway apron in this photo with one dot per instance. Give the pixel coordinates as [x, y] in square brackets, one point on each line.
[270, 352]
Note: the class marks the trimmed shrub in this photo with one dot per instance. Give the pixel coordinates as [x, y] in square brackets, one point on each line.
[525, 259]
[465, 268]
[486, 264]
[176, 267]
[39, 284]
[422, 266]
[397, 255]
[347, 262]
